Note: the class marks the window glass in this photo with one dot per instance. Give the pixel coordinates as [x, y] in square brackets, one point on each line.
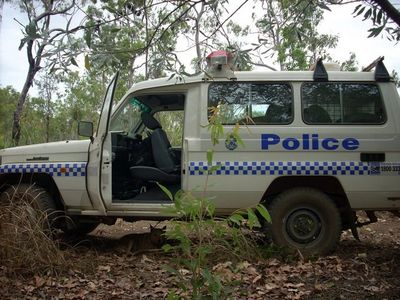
[172, 123]
[342, 103]
[126, 118]
[252, 103]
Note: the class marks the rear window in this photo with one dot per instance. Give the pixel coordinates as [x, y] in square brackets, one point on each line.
[342, 103]
[252, 103]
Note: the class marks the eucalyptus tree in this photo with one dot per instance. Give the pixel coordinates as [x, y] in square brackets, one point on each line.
[209, 26]
[41, 40]
[383, 14]
[138, 37]
[47, 86]
[8, 99]
[288, 32]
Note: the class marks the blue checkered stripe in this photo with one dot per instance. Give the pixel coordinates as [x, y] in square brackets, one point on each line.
[57, 169]
[280, 168]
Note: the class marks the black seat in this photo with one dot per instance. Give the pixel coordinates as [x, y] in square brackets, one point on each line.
[167, 166]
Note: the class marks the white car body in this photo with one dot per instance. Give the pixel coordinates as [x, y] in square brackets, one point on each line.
[274, 157]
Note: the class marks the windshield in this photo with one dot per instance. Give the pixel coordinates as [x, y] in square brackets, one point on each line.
[127, 117]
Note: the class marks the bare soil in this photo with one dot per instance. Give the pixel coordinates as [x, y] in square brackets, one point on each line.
[369, 269]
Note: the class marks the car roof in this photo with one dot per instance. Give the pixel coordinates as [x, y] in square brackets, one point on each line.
[278, 76]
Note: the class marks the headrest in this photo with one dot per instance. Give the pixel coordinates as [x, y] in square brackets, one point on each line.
[149, 121]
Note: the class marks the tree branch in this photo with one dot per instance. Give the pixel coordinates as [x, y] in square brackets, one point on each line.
[263, 65]
[54, 12]
[29, 47]
[389, 9]
[228, 18]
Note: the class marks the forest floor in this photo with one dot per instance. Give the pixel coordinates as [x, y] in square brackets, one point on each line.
[369, 269]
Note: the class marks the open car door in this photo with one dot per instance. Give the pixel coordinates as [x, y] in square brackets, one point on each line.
[98, 167]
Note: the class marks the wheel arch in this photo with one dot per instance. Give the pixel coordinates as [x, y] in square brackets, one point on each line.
[43, 180]
[330, 185]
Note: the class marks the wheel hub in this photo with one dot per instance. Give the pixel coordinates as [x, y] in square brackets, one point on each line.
[303, 226]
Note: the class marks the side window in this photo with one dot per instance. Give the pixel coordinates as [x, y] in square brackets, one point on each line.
[172, 123]
[252, 103]
[126, 119]
[342, 103]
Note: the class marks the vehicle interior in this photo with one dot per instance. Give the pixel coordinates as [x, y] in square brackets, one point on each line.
[146, 138]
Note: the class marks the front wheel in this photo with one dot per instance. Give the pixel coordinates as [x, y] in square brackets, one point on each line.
[36, 202]
[306, 219]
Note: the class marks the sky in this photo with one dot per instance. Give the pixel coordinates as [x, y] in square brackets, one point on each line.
[352, 38]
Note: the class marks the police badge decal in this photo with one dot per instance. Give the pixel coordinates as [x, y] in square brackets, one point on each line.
[231, 142]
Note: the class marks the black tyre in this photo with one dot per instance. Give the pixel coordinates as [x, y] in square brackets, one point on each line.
[36, 198]
[306, 219]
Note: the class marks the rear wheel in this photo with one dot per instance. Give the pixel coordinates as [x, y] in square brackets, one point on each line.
[306, 219]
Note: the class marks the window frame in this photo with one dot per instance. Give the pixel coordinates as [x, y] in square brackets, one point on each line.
[342, 123]
[287, 83]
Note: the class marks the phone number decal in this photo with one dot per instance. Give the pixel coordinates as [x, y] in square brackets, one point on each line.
[385, 168]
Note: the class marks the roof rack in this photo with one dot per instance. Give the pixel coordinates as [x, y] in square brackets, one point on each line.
[381, 73]
[320, 73]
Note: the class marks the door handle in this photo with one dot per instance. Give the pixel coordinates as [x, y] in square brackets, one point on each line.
[372, 157]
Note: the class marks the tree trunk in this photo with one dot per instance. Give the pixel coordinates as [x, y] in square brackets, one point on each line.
[197, 37]
[34, 67]
[16, 129]
[48, 112]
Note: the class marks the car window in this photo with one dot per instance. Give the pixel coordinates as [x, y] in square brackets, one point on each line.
[342, 103]
[252, 103]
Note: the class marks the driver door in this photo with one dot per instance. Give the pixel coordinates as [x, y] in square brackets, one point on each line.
[98, 179]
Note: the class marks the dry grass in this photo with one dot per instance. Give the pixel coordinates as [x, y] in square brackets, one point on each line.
[26, 244]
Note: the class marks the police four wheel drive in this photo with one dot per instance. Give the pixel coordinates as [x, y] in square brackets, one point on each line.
[318, 146]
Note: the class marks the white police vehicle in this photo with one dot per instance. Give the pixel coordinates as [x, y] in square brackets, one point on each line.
[318, 146]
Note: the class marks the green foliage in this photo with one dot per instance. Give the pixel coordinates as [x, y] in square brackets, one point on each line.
[215, 125]
[172, 123]
[381, 23]
[33, 121]
[8, 100]
[350, 64]
[138, 38]
[120, 34]
[395, 76]
[203, 240]
[292, 32]
[54, 116]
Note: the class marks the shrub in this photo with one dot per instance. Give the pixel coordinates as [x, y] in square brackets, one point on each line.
[26, 244]
[204, 240]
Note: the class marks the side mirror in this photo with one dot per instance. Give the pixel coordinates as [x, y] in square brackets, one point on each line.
[85, 129]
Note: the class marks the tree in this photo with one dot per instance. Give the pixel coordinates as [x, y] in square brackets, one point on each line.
[8, 100]
[351, 64]
[289, 32]
[134, 32]
[47, 86]
[39, 36]
[33, 118]
[383, 14]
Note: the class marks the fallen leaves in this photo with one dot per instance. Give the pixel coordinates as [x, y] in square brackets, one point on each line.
[358, 270]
